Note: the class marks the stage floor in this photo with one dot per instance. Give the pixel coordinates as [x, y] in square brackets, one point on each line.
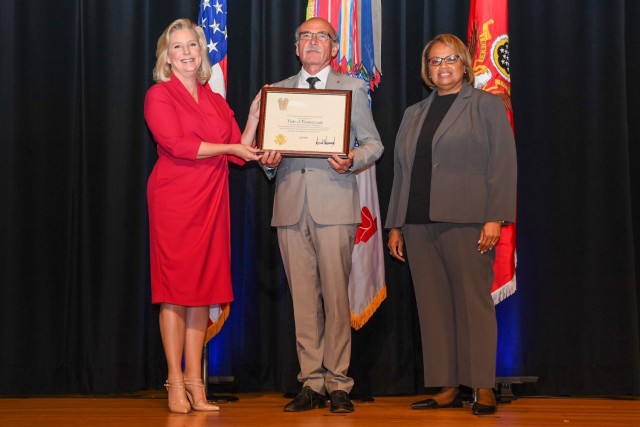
[150, 409]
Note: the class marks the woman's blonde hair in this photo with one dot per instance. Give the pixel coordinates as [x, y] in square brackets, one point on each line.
[162, 70]
[459, 48]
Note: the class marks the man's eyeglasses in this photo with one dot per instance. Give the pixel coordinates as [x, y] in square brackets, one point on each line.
[435, 61]
[321, 36]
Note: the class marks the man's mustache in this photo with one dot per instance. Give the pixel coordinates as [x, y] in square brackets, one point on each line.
[313, 48]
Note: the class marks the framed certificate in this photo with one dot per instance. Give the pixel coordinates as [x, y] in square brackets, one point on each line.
[305, 123]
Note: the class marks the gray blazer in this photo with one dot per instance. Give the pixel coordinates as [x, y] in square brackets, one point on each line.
[474, 161]
[332, 197]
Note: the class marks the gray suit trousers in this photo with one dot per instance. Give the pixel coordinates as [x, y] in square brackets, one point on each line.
[452, 283]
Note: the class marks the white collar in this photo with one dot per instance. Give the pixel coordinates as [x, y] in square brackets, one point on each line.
[323, 75]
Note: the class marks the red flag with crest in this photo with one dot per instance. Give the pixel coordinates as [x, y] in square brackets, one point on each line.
[489, 46]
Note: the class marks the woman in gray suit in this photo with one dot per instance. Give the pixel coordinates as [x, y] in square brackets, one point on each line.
[454, 187]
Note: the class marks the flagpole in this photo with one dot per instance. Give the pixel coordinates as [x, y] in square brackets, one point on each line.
[211, 397]
[205, 368]
[213, 20]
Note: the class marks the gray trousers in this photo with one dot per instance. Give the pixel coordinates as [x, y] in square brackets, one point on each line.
[452, 284]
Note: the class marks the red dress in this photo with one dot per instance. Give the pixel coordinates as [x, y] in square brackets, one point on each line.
[188, 199]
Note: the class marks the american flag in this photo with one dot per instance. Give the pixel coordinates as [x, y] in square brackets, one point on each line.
[213, 20]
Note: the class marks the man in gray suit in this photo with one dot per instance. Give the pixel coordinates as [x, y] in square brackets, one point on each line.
[317, 211]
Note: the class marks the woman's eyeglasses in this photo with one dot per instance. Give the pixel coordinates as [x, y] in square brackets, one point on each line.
[435, 61]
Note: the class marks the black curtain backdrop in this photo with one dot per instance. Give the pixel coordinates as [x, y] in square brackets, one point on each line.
[75, 312]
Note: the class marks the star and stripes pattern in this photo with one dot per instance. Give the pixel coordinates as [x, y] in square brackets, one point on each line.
[213, 20]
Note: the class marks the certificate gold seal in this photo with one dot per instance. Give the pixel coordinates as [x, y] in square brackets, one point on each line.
[280, 139]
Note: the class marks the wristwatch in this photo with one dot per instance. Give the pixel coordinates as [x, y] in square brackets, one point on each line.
[503, 223]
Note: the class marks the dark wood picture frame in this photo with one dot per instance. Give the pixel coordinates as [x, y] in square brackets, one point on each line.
[305, 122]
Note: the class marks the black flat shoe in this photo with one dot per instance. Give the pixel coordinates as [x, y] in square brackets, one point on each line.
[340, 402]
[432, 404]
[306, 400]
[480, 409]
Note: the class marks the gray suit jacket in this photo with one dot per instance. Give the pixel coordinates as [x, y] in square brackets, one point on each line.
[474, 161]
[332, 197]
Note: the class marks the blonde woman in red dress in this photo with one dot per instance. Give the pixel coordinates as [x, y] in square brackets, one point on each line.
[188, 200]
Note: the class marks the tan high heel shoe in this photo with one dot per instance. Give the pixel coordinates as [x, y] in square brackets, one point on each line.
[201, 405]
[181, 406]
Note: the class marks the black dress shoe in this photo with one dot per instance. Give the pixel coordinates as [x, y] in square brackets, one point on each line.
[432, 404]
[306, 400]
[340, 402]
[480, 409]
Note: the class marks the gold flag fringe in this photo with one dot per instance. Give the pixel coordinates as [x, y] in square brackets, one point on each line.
[358, 321]
[311, 9]
[215, 327]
